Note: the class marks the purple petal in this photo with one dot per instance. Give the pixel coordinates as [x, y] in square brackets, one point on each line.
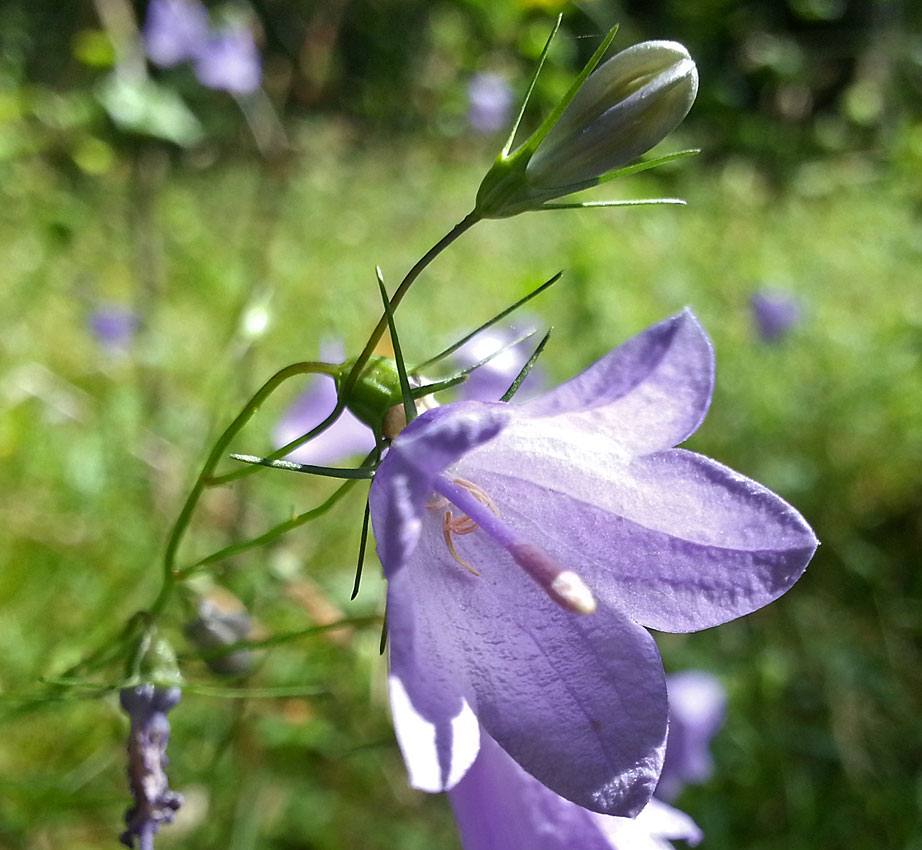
[650, 829]
[775, 313]
[490, 100]
[650, 393]
[578, 701]
[675, 540]
[499, 806]
[490, 381]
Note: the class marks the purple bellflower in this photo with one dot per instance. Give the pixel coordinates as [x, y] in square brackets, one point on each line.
[697, 705]
[347, 437]
[490, 381]
[114, 327]
[529, 547]
[498, 806]
[229, 61]
[177, 31]
[775, 313]
[490, 99]
[174, 31]
[154, 802]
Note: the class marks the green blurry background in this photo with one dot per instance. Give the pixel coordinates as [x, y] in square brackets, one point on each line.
[206, 216]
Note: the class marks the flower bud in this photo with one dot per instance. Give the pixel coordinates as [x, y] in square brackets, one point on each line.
[625, 107]
[622, 109]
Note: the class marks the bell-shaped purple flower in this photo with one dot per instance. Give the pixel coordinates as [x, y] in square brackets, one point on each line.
[174, 31]
[498, 806]
[697, 706]
[154, 802]
[528, 548]
[775, 313]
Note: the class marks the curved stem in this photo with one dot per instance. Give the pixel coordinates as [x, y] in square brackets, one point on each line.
[461, 227]
[217, 452]
[206, 477]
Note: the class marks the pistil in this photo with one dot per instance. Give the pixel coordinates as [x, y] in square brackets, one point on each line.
[565, 587]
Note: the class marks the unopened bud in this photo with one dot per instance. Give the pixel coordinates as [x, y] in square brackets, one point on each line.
[626, 106]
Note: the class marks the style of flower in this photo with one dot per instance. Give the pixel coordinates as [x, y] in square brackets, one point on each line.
[498, 806]
[775, 313]
[697, 705]
[528, 546]
[154, 802]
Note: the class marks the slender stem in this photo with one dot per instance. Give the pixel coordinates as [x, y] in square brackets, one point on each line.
[206, 477]
[217, 452]
[271, 534]
[461, 227]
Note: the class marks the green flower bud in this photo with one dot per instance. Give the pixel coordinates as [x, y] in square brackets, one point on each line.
[625, 107]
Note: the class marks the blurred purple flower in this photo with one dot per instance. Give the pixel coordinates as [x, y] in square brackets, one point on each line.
[489, 101]
[174, 31]
[614, 531]
[498, 806]
[775, 313]
[229, 61]
[697, 705]
[347, 437]
[154, 802]
[490, 381]
[113, 326]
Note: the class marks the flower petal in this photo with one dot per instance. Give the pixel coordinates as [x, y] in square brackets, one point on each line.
[424, 449]
[676, 540]
[649, 394]
[578, 701]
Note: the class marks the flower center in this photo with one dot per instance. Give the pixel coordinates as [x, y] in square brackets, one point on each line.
[564, 586]
[462, 524]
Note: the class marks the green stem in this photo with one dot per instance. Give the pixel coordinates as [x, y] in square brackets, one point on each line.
[271, 534]
[462, 227]
[217, 453]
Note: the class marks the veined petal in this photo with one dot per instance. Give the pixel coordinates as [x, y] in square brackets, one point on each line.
[425, 448]
[677, 541]
[578, 701]
[651, 393]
